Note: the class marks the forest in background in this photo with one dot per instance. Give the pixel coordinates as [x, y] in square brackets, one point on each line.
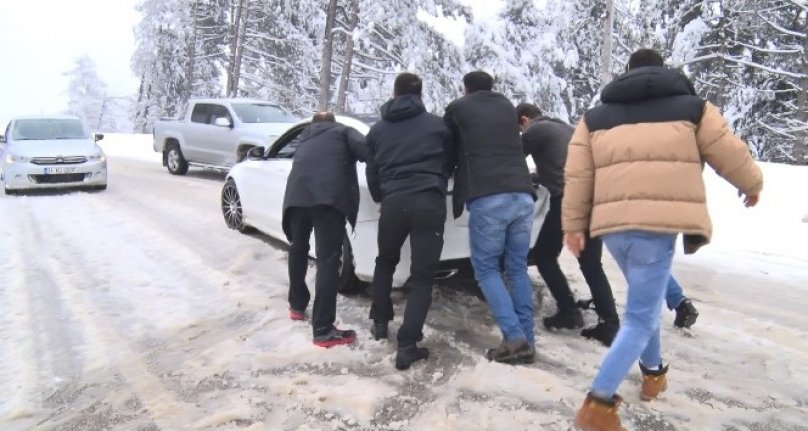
[749, 57]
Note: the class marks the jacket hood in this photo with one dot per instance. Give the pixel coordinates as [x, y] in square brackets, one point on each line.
[645, 83]
[402, 108]
[316, 129]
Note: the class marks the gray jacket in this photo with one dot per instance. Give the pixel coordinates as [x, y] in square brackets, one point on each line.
[547, 141]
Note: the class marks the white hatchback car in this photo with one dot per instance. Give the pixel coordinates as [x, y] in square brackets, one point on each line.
[252, 198]
[50, 152]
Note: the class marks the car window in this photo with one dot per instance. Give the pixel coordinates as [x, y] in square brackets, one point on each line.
[218, 111]
[48, 128]
[285, 146]
[262, 113]
[201, 113]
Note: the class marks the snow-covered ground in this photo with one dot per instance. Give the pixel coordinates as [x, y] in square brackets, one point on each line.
[137, 309]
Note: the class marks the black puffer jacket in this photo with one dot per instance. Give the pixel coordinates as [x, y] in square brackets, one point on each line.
[324, 170]
[409, 150]
[490, 155]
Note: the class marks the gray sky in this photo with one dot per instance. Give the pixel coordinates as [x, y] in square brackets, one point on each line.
[40, 39]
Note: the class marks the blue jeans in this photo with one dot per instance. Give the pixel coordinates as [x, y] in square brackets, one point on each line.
[674, 295]
[645, 259]
[499, 233]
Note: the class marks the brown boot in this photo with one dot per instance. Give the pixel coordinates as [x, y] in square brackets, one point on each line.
[654, 382]
[599, 415]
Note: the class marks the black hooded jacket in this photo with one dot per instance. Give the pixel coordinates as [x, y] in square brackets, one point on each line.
[490, 154]
[409, 150]
[324, 170]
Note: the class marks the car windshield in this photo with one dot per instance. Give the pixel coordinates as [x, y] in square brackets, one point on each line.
[262, 113]
[48, 128]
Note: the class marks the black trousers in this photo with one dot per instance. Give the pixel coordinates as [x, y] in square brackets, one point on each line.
[328, 225]
[421, 216]
[545, 254]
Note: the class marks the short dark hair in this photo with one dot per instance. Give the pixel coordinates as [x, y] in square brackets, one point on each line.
[478, 80]
[645, 57]
[407, 83]
[528, 110]
[323, 117]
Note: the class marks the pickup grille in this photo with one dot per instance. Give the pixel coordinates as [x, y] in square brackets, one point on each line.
[67, 160]
[58, 178]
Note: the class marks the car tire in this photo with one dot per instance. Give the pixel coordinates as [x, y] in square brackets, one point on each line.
[348, 281]
[231, 208]
[100, 188]
[175, 161]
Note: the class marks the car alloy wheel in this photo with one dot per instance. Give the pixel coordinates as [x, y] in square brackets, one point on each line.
[231, 207]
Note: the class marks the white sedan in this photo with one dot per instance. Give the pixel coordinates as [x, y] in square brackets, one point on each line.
[252, 198]
[50, 152]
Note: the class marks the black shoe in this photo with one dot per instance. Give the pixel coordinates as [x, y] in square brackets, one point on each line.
[379, 330]
[603, 332]
[512, 352]
[686, 314]
[335, 337]
[409, 354]
[565, 319]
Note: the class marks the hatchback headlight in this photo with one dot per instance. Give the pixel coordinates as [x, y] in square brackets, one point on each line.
[13, 158]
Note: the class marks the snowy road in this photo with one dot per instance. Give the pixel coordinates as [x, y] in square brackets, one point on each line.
[136, 309]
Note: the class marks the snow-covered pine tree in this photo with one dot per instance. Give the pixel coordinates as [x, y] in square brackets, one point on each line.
[521, 51]
[161, 60]
[86, 93]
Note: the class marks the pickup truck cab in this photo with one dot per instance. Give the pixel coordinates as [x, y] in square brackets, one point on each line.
[217, 133]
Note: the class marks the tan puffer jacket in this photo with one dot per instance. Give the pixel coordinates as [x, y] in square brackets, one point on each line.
[647, 175]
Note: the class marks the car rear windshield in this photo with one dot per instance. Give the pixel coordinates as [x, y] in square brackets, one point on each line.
[49, 128]
[262, 113]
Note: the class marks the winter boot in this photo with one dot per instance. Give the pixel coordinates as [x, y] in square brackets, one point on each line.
[409, 354]
[512, 352]
[335, 337]
[379, 330]
[686, 314]
[654, 382]
[603, 332]
[599, 415]
[565, 319]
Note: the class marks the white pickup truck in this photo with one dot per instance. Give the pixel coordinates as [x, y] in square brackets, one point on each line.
[217, 133]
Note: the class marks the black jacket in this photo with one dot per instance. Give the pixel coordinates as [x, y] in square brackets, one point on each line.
[324, 170]
[490, 155]
[653, 94]
[409, 150]
[547, 141]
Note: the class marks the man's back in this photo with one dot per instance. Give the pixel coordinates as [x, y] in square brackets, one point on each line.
[324, 169]
[409, 150]
[491, 159]
[547, 141]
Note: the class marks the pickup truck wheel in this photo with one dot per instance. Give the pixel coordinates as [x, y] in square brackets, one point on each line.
[175, 161]
[348, 281]
[231, 208]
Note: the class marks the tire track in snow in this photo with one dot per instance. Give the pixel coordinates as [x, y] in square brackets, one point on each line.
[108, 337]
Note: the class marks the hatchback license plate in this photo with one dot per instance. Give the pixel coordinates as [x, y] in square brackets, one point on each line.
[49, 171]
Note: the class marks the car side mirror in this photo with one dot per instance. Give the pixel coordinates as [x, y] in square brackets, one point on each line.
[98, 136]
[256, 153]
[2, 139]
[222, 122]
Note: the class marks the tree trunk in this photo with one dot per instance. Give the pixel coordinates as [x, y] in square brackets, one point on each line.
[240, 51]
[189, 74]
[606, 53]
[234, 34]
[347, 62]
[328, 52]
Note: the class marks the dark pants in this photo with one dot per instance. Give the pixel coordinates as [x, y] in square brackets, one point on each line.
[421, 216]
[329, 231]
[545, 254]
